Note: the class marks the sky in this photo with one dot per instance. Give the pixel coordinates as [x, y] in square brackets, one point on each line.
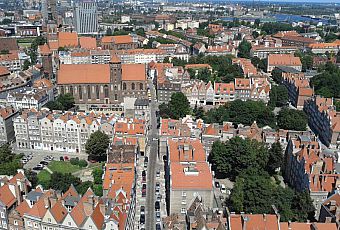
[316, 1]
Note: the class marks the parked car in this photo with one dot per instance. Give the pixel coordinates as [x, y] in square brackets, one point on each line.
[146, 160]
[23, 161]
[158, 174]
[159, 197]
[157, 191]
[142, 219]
[61, 158]
[66, 158]
[38, 167]
[217, 184]
[158, 185]
[157, 206]
[142, 210]
[158, 216]
[44, 162]
[158, 226]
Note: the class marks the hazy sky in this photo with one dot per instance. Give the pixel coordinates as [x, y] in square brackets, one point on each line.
[319, 1]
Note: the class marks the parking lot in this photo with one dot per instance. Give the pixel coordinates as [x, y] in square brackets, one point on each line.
[39, 155]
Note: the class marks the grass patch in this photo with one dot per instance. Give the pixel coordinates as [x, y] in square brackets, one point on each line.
[63, 167]
[44, 177]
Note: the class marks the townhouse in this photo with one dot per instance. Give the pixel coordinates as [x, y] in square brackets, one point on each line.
[56, 131]
[270, 221]
[12, 188]
[330, 209]
[221, 50]
[11, 61]
[188, 175]
[298, 86]
[262, 51]
[50, 209]
[275, 60]
[216, 94]
[119, 187]
[308, 167]
[324, 120]
[7, 115]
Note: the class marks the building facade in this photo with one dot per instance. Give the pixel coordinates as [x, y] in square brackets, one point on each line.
[85, 17]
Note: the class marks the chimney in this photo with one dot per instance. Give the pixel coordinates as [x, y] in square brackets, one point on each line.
[245, 220]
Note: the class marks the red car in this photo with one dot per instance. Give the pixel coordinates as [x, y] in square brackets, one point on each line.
[66, 158]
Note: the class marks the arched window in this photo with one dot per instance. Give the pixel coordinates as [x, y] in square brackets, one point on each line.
[62, 91]
[116, 97]
[115, 87]
[88, 92]
[97, 91]
[141, 86]
[106, 91]
[124, 86]
[71, 90]
[80, 92]
[133, 86]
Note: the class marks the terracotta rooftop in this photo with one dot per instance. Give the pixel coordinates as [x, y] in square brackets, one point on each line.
[186, 150]
[121, 39]
[191, 177]
[133, 72]
[67, 39]
[83, 74]
[88, 43]
[283, 60]
[4, 71]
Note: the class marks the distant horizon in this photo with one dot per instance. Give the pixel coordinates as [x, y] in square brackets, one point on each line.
[268, 1]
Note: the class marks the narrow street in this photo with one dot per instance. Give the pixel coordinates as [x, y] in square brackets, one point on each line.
[153, 140]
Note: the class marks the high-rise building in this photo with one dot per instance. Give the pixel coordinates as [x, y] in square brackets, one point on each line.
[85, 16]
[49, 10]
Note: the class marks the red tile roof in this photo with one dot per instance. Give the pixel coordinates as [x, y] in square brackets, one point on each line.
[83, 74]
[88, 42]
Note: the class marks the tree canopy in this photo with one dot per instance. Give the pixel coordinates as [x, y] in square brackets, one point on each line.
[9, 162]
[179, 105]
[292, 119]
[97, 145]
[278, 96]
[242, 112]
[275, 158]
[327, 83]
[255, 192]
[63, 102]
[231, 158]
[244, 49]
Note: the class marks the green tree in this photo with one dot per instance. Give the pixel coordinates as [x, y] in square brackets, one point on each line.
[275, 158]
[62, 181]
[4, 51]
[199, 112]
[277, 75]
[6, 154]
[244, 49]
[63, 102]
[83, 187]
[97, 145]
[32, 177]
[179, 105]
[164, 111]
[237, 155]
[255, 192]
[292, 119]
[97, 174]
[327, 83]
[278, 96]
[26, 65]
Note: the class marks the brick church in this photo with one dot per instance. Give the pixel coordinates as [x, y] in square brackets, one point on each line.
[102, 87]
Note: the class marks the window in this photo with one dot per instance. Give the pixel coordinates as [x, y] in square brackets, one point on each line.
[62, 90]
[15, 222]
[97, 91]
[133, 86]
[116, 97]
[141, 86]
[88, 92]
[106, 91]
[2, 215]
[80, 92]
[71, 90]
[49, 220]
[124, 86]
